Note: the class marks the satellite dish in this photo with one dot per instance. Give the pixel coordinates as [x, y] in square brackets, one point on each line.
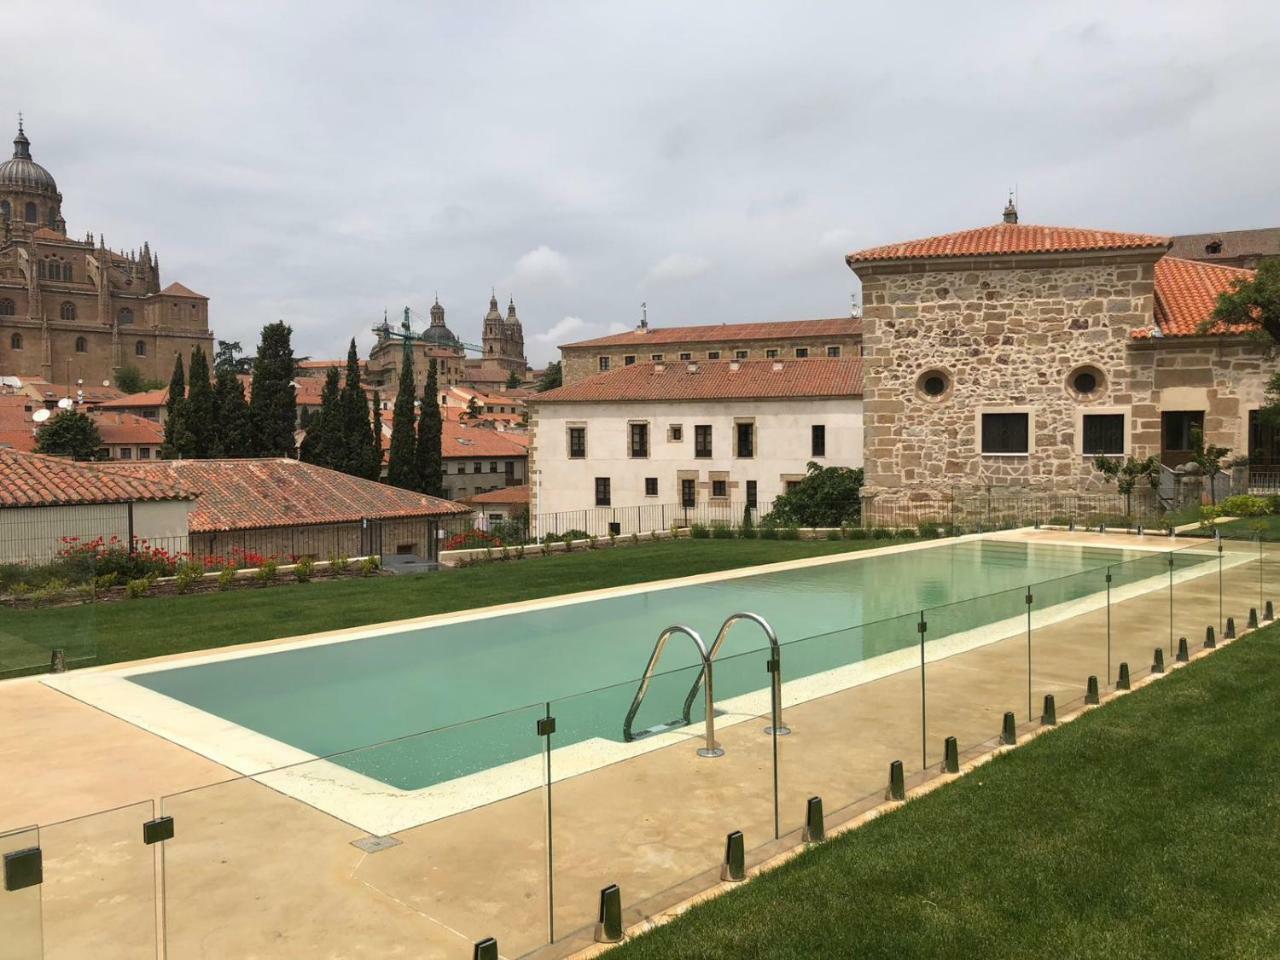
[65, 403]
[106, 383]
[40, 416]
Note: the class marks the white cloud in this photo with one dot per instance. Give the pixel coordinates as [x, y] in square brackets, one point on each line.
[572, 328]
[542, 265]
[678, 266]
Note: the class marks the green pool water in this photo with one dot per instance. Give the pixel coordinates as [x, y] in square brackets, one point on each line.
[479, 686]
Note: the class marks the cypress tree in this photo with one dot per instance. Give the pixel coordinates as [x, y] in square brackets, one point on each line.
[173, 410]
[198, 414]
[234, 437]
[427, 460]
[273, 409]
[375, 439]
[355, 457]
[400, 466]
[323, 443]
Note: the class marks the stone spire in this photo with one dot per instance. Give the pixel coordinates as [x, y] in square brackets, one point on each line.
[437, 313]
[1010, 210]
[21, 145]
[493, 313]
[512, 319]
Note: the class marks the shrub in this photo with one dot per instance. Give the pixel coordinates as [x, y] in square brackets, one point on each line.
[881, 533]
[1245, 505]
[789, 533]
[519, 551]
[698, 531]
[304, 569]
[833, 534]
[857, 533]
[188, 573]
[106, 581]
[267, 571]
[748, 525]
[748, 533]
[635, 538]
[369, 566]
[907, 533]
[339, 564]
[592, 541]
[137, 588]
[472, 540]
[227, 577]
[722, 531]
[570, 535]
[768, 533]
[51, 591]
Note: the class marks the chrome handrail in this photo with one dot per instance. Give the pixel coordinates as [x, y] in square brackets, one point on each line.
[775, 670]
[711, 749]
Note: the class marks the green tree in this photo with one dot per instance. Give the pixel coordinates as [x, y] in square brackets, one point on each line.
[323, 443]
[473, 411]
[69, 434]
[513, 380]
[228, 356]
[1126, 474]
[273, 411]
[375, 437]
[1253, 300]
[129, 379]
[826, 497]
[173, 406]
[234, 437]
[401, 465]
[552, 377]
[429, 465]
[356, 451]
[199, 413]
[1208, 457]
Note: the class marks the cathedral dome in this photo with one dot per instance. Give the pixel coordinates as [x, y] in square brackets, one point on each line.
[438, 335]
[23, 173]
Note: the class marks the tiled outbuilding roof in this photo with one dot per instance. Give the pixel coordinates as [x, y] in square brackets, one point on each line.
[1186, 292]
[176, 289]
[1005, 239]
[716, 380]
[518, 494]
[146, 398]
[249, 494]
[718, 332]
[116, 427]
[35, 480]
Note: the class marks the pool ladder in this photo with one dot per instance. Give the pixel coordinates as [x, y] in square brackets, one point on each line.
[705, 679]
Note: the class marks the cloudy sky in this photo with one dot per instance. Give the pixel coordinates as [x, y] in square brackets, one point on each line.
[321, 162]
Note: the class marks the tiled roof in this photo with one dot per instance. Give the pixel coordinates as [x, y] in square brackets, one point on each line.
[459, 440]
[502, 495]
[1004, 239]
[35, 480]
[1185, 293]
[127, 428]
[176, 289]
[248, 494]
[1228, 244]
[146, 398]
[720, 332]
[717, 380]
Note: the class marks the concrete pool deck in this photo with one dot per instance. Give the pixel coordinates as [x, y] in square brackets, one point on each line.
[253, 871]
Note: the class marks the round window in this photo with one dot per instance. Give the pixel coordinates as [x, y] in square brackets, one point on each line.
[933, 384]
[1086, 382]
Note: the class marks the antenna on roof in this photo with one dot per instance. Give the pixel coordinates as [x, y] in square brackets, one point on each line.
[644, 316]
[855, 311]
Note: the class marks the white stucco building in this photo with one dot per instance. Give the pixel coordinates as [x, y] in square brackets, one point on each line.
[702, 435]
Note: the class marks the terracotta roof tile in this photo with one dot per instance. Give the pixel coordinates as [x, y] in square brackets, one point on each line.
[717, 332]
[717, 380]
[502, 495]
[176, 289]
[116, 428]
[460, 440]
[248, 494]
[1003, 239]
[1186, 292]
[35, 480]
[146, 398]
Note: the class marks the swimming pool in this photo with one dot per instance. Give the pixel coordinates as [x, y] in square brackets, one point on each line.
[329, 697]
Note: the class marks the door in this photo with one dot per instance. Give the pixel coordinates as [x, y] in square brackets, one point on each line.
[1176, 431]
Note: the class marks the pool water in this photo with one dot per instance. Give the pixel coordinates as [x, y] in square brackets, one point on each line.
[334, 697]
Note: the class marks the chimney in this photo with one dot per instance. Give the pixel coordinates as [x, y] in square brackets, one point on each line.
[692, 367]
[734, 364]
[659, 367]
[777, 365]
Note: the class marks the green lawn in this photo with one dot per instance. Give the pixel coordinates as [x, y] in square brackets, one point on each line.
[1149, 828]
[1246, 528]
[132, 629]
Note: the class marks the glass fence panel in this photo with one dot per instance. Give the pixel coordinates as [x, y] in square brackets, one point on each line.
[48, 615]
[20, 928]
[1197, 601]
[852, 703]
[1140, 609]
[362, 853]
[1241, 584]
[1070, 637]
[976, 669]
[651, 814]
[1269, 560]
[100, 886]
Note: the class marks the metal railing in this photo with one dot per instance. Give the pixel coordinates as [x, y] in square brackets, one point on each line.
[710, 748]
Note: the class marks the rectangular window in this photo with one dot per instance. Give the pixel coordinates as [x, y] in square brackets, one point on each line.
[740, 354]
[720, 489]
[1103, 433]
[833, 352]
[126, 453]
[144, 453]
[713, 354]
[802, 352]
[650, 486]
[577, 443]
[751, 494]
[771, 354]
[675, 432]
[1177, 430]
[746, 440]
[629, 359]
[1005, 433]
[655, 357]
[818, 440]
[639, 439]
[686, 356]
[602, 492]
[496, 517]
[702, 441]
[493, 466]
[792, 484]
[604, 363]
[688, 493]
[477, 467]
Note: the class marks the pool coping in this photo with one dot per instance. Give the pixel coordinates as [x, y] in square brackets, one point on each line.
[381, 809]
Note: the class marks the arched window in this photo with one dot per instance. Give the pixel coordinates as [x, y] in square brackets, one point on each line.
[40, 271]
[7, 308]
[82, 345]
[5, 210]
[124, 317]
[15, 342]
[30, 213]
[67, 311]
[66, 271]
[140, 348]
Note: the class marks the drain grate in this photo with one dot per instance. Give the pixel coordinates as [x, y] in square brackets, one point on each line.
[375, 844]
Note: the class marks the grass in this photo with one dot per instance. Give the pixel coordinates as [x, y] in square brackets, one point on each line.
[1246, 528]
[1148, 828]
[134, 629]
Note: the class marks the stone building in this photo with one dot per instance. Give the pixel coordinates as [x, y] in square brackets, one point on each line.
[788, 339]
[74, 309]
[1010, 356]
[1230, 248]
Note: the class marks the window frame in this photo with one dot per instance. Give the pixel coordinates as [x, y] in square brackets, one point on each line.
[140, 348]
[752, 444]
[628, 359]
[602, 364]
[703, 451]
[650, 486]
[741, 354]
[802, 353]
[604, 492]
[1091, 411]
[980, 415]
[817, 439]
[638, 429]
[721, 485]
[713, 354]
[570, 431]
[833, 351]
[752, 495]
